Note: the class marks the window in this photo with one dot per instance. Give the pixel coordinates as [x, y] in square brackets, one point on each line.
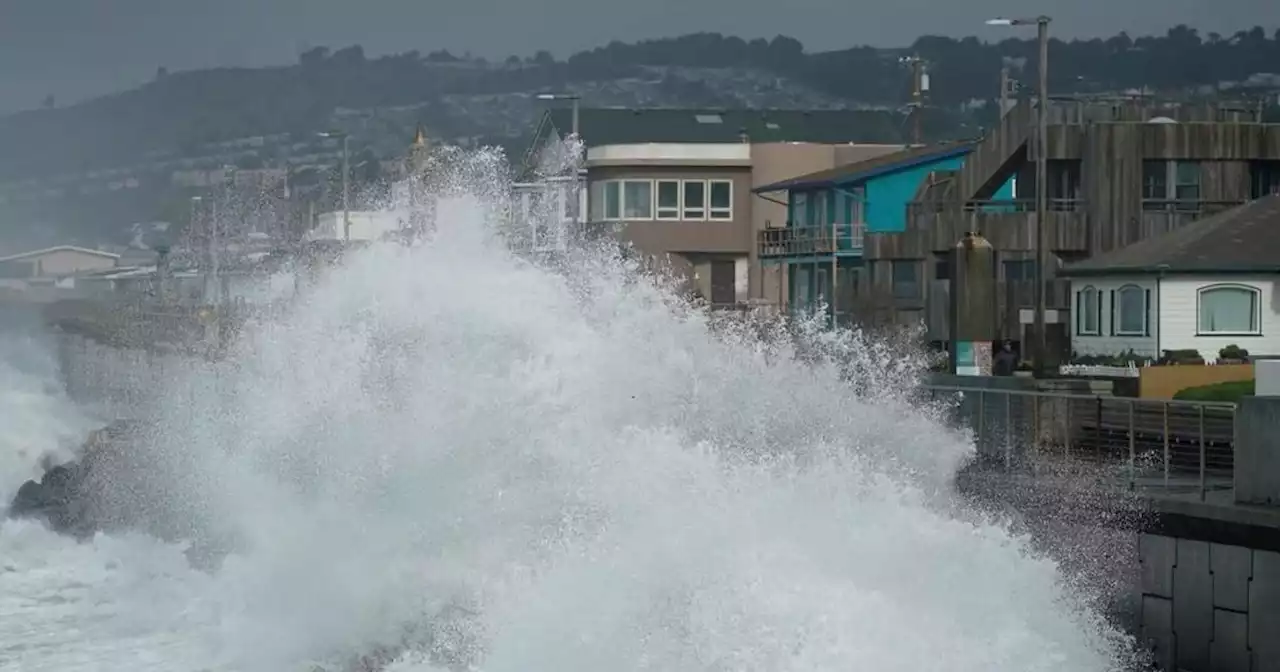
[1155, 180]
[799, 204]
[612, 200]
[1228, 309]
[1186, 185]
[668, 199]
[1164, 181]
[1129, 312]
[637, 199]
[695, 199]
[721, 199]
[1020, 270]
[906, 279]
[1088, 312]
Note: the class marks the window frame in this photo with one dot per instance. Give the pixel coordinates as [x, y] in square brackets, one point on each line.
[1083, 311]
[672, 213]
[616, 187]
[623, 200]
[684, 201]
[719, 214]
[1117, 314]
[917, 283]
[1256, 308]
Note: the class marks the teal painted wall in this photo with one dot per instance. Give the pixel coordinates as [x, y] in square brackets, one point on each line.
[888, 195]
[886, 199]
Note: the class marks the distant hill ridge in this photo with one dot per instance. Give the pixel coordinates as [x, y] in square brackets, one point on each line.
[185, 109]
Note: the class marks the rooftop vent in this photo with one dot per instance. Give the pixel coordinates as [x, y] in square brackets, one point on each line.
[709, 118]
[1161, 120]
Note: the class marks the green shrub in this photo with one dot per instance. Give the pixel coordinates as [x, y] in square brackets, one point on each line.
[1228, 391]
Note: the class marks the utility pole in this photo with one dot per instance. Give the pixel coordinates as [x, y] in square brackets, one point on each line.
[346, 187]
[919, 85]
[1040, 351]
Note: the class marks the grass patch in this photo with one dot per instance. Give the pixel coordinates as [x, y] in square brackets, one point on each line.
[1228, 391]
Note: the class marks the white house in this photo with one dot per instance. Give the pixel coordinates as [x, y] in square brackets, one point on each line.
[365, 225]
[1207, 285]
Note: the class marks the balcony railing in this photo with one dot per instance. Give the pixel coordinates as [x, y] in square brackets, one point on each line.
[1000, 206]
[806, 241]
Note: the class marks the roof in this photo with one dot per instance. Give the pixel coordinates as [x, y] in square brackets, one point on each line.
[619, 126]
[1240, 240]
[59, 248]
[861, 171]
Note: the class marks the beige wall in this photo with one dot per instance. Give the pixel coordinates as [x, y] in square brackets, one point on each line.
[777, 161]
[695, 243]
[66, 262]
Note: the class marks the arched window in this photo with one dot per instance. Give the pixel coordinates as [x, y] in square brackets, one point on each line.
[1088, 312]
[1228, 309]
[1130, 311]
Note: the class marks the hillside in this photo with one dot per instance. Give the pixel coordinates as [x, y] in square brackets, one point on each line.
[188, 108]
[111, 161]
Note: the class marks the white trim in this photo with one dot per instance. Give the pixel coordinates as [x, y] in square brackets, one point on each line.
[719, 214]
[1257, 309]
[623, 200]
[1117, 318]
[1084, 311]
[684, 202]
[657, 202]
[711, 152]
[59, 248]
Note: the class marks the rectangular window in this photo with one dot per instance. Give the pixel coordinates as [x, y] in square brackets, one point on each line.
[695, 199]
[612, 200]
[799, 205]
[668, 199]
[637, 199]
[1186, 180]
[721, 192]
[906, 279]
[1155, 180]
[1020, 270]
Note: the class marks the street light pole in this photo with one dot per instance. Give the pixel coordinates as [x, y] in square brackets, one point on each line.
[575, 191]
[346, 188]
[1040, 351]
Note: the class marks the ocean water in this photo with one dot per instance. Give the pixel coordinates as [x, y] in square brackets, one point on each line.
[447, 456]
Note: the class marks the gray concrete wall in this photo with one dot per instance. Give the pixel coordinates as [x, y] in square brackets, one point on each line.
[1257, 456]
[1208, 607]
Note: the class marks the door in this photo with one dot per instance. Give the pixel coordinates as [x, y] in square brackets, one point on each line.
[723, 291]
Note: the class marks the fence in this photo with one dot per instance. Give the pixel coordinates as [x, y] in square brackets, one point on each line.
[1152, 445]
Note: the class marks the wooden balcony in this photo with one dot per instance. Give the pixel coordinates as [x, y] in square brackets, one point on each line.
[1163, 216]
[810, 241]
[1008, 224]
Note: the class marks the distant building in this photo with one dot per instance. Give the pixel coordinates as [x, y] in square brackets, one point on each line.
[55, 262]
[678, 183]
[830, 214]
[365, 225]
[1206, 285]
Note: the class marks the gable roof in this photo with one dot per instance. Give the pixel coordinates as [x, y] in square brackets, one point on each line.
[861, 171]
[618, 126]
[1244, 239]
[59, 248]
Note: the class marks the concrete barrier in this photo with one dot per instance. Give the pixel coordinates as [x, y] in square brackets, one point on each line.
[1257, 451]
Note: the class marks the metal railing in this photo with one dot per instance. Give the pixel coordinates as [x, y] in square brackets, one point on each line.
[1149, 446]
[799, 241]
[997, 206]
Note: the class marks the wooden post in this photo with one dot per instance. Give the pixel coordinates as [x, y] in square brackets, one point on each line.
[973, 305]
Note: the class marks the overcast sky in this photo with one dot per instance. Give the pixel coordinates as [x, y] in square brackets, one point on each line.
[78, 48]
